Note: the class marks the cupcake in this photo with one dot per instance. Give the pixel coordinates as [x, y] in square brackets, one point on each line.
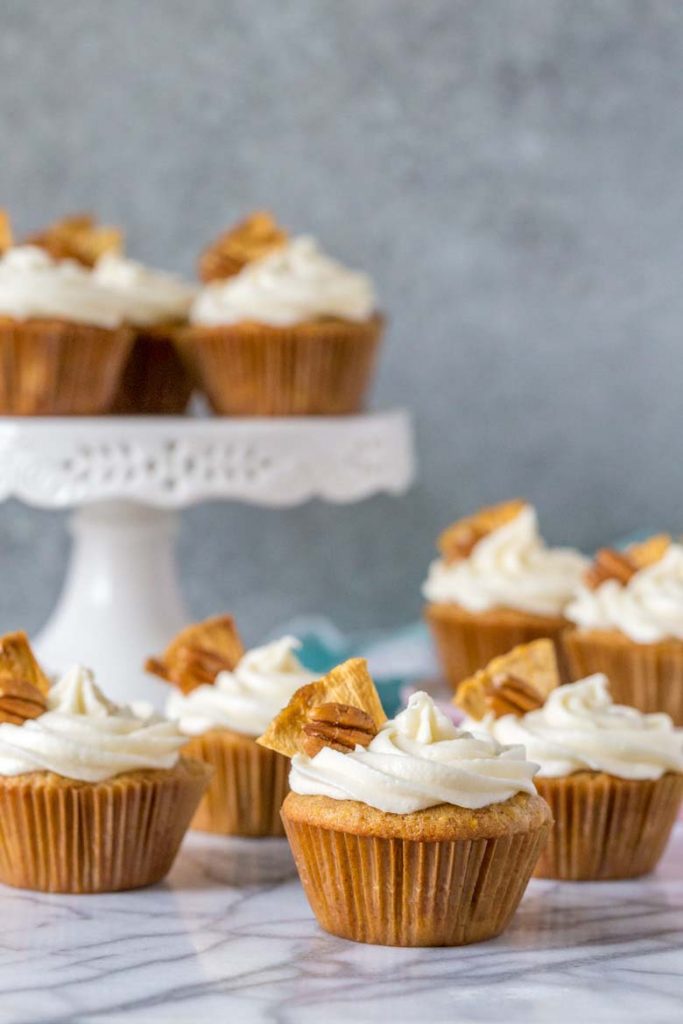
[93, 798]
[63, 337]
[155, 305]
[629, 617]
[407, 832]
[496, 585]
[280, 329]
[221, 709]
[613, 776]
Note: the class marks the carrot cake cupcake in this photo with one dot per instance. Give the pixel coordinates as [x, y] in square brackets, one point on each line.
[613, 777]
[224, 701]
[496, 584]
[407, 832]
[629, 617]
[63, 337]
[93, 798]
[279, 328]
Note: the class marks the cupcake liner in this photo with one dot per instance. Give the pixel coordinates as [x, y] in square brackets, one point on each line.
[60, 835]
[313, 368]
[607, 828]
[248, 787]
[645, 676]
[402, 892]
[155, 381]
[59, 368]
[467, 641]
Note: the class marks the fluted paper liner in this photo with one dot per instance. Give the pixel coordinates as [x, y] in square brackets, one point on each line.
[59, 368]
[468, 641]
[248, 787]
[59, 835]
[402, 892]
[315, 368]
[607, 828]
[645, 676]
[155, 380]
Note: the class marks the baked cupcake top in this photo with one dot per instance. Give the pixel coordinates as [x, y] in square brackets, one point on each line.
[579, 728]
[245, 698]
[82, 735]
[34, 285]
[497, 559]
[417, 760]
[638, 592]
[293, 283]
[148, 296]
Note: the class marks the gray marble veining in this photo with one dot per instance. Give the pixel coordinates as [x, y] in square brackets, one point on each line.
[230, 937]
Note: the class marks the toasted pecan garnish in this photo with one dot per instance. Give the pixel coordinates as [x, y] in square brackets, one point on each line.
[349, 685]
[18, 663]
[609, 564]
[458, 540]
[251, 239]
[339, 726]
[526, 673]
[19, 701]
[78, 238]
[6, 236]
[198, 653]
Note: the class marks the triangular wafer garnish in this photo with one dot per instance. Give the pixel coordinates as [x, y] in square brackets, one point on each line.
[256, 236]
[198, 653]
[79, 238]
[458, 540]
[6, 236]
[18, 662]
[534, 664]
[349, 683]
[648, 552]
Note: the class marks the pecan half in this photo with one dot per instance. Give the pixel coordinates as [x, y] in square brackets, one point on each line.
[19, 701]
[511, 695]
[339, 726]
[79, 238]
[251, 239]
[609, 564]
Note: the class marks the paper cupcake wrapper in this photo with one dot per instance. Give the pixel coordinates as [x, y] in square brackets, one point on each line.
[467, 641]
[400, 892]
[314, 368]
[155, 381]
[645, 676]
[607, 828]
[248, 787]
[59, 368]
[57, 835]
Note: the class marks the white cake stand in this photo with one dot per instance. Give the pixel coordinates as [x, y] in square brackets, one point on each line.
[126, 477]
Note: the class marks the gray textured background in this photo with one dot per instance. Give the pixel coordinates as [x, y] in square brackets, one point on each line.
[510, 171]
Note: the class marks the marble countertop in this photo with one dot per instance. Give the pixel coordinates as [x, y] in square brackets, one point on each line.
[229, 937]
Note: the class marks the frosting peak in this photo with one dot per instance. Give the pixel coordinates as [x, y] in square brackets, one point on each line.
[84, 736]
[648, 608]
[295, 282]
[246, 699]
[417, 760]
[511, 567]
[580, 729]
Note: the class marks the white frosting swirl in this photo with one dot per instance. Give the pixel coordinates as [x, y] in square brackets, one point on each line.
[417, 760]
[647, 609]
[33, 285]
[246, 699]
[294, 283]
[84, 736]
[509, 568]
[148, 296]
[579, 729]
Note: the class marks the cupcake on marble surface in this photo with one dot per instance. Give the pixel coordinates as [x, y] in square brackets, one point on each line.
[629, 617]
[613, 777]
[407, 832]
[93, 798]
[281, 329]
[496, 585]
[63, 336]
[225, 699]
